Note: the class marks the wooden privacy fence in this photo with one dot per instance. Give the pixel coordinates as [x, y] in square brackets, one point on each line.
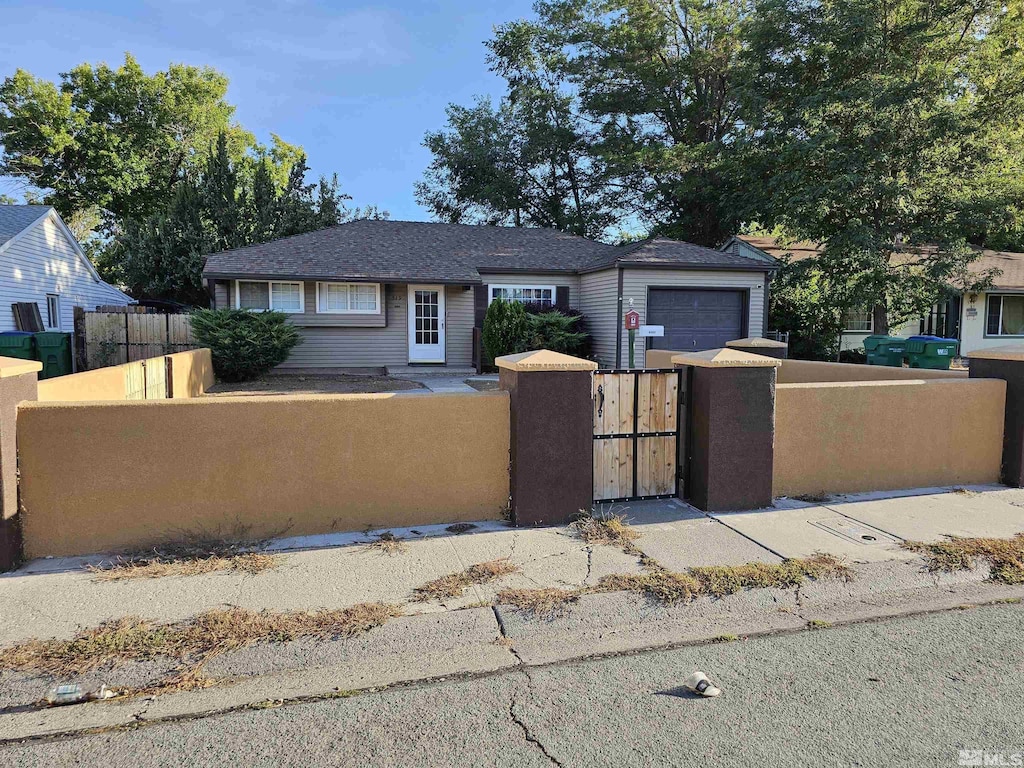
[113, 338]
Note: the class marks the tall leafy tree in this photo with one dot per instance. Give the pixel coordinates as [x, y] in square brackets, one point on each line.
[876, 128]
[118, 139]
[228, 204]
[636, 98]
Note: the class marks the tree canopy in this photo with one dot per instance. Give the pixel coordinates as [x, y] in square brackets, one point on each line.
[152, 173]
[872, 128]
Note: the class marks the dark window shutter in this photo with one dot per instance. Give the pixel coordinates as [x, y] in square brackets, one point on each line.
[479, 305]
[994, 305]
[562, 297]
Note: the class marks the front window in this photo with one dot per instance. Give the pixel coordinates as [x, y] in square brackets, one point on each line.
[858, 321]
[1005, 315]
[261, 296]
[525, 294]
[348, 298]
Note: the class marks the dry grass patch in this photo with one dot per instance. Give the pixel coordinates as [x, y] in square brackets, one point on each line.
[662, 585]
[190, 643]
[388, 544]
[607, 529]
[720, 580]
[191, 556]
[541, 603]
[1004, 556]
[455, 584]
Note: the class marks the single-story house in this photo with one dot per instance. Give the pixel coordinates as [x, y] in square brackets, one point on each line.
[982, 319]
[42, 263]
[394, 293]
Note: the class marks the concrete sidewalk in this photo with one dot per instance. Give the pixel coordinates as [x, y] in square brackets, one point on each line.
[466, 635]
[55, 598]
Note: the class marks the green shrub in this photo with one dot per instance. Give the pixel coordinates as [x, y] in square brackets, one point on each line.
[558, 332]
[244, 344]
[506, 329]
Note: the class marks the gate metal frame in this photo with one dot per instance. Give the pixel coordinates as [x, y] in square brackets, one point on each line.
[635, 435]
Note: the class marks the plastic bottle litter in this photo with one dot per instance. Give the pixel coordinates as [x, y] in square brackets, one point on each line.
[698, 683]
[59, 695]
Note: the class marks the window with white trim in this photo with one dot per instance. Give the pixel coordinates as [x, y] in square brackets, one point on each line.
[348, 298]
[260, 296]
[53, 311]
[1005, 314]
[858, 320]
[525, 294]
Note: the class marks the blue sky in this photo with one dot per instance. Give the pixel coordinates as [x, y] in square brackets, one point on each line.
[356, 84]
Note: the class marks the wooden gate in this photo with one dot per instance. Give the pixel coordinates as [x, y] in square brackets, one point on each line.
[636, 433]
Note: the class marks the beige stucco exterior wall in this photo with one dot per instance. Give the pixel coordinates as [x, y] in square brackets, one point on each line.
[886, 435]
[115, 476]
[809, 371]
[192, 373]
[660, 358]
[192, 376]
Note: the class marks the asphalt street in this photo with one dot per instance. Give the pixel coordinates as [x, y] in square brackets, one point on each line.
[911, 691]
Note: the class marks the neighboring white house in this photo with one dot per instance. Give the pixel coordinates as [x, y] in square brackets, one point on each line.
[41, 262]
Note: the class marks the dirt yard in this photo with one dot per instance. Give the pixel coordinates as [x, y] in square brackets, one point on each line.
[326, 384]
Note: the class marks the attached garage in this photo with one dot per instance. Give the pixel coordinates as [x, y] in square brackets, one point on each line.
[696, 319]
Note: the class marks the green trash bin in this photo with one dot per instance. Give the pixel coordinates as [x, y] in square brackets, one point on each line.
[17, 344]
[885, 350]
[53, 350]
[931, 352]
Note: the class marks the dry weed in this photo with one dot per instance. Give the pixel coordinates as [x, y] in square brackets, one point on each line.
[455, 584]
[1005, 556]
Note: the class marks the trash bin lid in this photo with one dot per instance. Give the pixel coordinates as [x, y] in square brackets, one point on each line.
[16, 333]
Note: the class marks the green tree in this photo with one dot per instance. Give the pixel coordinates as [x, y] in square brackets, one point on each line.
[616, 110]
[506, 329]
[161, 256]
[875, 128]
[117, 138]
[227, 204]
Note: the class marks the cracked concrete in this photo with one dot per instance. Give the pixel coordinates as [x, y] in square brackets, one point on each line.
[455, 638]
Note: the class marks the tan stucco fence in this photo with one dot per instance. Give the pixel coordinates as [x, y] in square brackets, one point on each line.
[192, 375]
[101, 477]
[846, 437]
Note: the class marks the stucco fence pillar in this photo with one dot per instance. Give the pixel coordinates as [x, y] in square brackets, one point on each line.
[18, 383]
[1007, 363]
[551, 436]
[729, 437]
[759, 346]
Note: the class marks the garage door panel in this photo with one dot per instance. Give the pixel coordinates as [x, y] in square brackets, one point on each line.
[695, 319]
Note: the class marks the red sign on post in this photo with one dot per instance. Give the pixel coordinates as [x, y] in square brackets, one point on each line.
[632, 320]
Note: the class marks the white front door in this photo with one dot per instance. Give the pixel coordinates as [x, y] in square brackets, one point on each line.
[426, 323]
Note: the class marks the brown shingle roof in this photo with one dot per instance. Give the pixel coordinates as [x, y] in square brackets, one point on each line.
[411, 251]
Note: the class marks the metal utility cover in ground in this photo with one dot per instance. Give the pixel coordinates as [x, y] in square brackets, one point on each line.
[800, 533]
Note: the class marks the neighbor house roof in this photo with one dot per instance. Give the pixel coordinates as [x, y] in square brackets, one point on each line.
[409, 251]
[661, 251]
[15, 219]
[1010, 264]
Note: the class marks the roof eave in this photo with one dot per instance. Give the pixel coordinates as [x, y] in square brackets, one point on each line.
[618, 263]
[391, 279]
